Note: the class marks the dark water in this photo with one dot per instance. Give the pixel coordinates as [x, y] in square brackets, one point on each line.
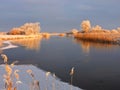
[97, 66]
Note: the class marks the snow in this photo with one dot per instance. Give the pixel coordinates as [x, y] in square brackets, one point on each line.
[9, 45]
[48, 82]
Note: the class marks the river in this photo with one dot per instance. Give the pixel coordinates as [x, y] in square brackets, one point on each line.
[96, 64]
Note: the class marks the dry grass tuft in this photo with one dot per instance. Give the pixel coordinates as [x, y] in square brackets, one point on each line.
[30, 73]
[10, 83]
[35, 85]
[72, 71]
[71, 74]
[4, 58]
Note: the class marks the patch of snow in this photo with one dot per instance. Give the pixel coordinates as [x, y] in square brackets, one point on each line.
[45, 83]
[9, 46]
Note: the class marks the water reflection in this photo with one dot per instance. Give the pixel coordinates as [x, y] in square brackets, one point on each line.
[31, 43]
[1, 44]
[86, 45]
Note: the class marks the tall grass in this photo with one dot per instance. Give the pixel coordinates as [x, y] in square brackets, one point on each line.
[10, 75]
[98, 37]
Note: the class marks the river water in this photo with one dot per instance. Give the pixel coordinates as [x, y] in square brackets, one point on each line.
[96, 65]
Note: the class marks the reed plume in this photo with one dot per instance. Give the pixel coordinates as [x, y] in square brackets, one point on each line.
[13, 63]
[71, 74]
[16, 74]
[35, 85]
[10, 75]
[4, 57]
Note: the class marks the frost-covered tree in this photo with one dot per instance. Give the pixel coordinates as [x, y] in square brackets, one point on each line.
[85, 26]
[27, 29]
[97, 28]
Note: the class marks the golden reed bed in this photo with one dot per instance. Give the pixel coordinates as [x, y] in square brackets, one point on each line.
[99, 37]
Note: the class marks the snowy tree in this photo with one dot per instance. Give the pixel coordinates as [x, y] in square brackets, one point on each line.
[85, 26]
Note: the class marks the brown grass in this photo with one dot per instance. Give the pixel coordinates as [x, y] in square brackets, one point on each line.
[98, 37]
[10, 75]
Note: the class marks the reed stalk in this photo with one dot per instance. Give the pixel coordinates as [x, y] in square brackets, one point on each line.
[71, 80]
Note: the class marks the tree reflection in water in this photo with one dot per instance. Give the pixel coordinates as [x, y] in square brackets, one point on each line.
[31, 43]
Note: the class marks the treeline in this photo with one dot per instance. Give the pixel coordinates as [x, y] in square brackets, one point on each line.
[26, 29]
[87, 28]
[97, 33]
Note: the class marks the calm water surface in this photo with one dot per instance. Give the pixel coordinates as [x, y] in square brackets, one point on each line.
[97, 66]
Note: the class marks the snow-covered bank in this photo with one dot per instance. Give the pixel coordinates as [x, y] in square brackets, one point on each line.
[45, 83]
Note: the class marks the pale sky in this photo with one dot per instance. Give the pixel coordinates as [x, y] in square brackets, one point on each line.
[59, 15]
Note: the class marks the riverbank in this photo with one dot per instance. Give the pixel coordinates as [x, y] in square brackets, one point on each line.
[45, 35]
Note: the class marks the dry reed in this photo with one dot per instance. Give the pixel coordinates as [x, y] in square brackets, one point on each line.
[9, 77]
[71, 75]
[35, 85]
[98, 37]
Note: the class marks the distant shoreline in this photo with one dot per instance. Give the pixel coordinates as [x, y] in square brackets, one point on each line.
[40, 35]
[11, 37]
